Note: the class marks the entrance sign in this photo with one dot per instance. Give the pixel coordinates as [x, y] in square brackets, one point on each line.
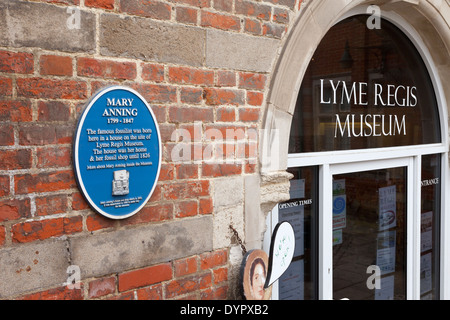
[117, 152]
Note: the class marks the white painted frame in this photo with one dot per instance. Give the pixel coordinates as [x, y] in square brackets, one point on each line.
[410, 156]
[412, 221]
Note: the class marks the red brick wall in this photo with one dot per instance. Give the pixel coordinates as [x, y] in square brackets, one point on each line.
[42, 94]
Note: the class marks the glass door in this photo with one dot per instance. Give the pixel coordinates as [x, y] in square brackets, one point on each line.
[369, 234]
[370, 219]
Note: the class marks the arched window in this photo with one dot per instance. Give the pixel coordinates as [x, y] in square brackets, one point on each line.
[364, 88]
[366, 152]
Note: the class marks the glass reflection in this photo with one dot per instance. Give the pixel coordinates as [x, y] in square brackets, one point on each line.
[364, 88]
[430, 225]
[299, 282]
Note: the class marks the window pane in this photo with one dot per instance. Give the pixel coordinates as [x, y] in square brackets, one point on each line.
[364, 88]
[430, 226]
[299, 282]
[369, 235]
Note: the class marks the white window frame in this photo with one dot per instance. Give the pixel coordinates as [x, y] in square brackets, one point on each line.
[331, 162]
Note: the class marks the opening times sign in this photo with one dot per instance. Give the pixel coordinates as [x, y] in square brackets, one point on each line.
[117, 152]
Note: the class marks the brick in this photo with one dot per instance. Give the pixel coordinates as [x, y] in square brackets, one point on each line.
[2, 235]
[224, 132]
[215, 293]
[226, 79]
[145, 8]
[58, 31]
[155, 93]
[223, 5]
[15, 159]
[37, 134]
[153, 213]
[186, 190]
[252, 9]
[220, 21]
[6, 135]
[186, 209]
[183, 75]
[205, 206]
[167, 172]
[60, 293]
[4, 186]
[226, 114]
[221, 169]
[44, 182]
[145, 277]
[102, 4]
[255, 98]
[185, 266]
[195, 3]
[5, 86]
[220, 275]
[124, 296]
[65, 2]
[101, 287]
[156, 195]
[51, 204]
[14, 209]
[16, 62]
[166, 131]
[190, 114]
[187, 171]
[51, 89]
[280, 15]
[97, 222]
[152, 40]
[191, 95]
[287, 3]
[78, 202]
[44, 229]
[253, 26]
[252, 81]
[160, 112]
[91, 67]
[153, 72]
[150, 293]
[219, 96]
[188, 284]
[249, 114]
[274, 30]
[53, 111]
[16, 110]
[56, 65]
[186, 15]
[213, 259]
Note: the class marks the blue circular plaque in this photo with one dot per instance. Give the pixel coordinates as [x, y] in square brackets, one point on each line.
[117, 152]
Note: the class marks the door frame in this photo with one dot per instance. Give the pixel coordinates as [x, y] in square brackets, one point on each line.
[326, 173]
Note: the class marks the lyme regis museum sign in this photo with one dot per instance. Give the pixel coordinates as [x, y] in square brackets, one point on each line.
[117, 152]
[370, 124]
